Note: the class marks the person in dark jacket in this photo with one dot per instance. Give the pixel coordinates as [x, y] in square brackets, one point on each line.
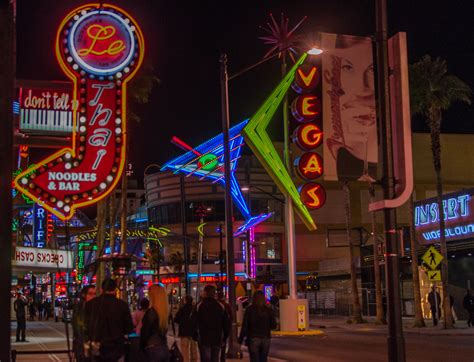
[212, 324]
[155, 325]
[258, 322]
[186, 332]
[108, 321]
[20, 311]
[468, 304]
[228, 309]
[79, 322]
[435, 305]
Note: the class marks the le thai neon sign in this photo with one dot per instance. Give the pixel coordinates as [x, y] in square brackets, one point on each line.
[100, 48]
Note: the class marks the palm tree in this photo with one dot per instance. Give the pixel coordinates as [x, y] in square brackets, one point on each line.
[138, 94]
[356, 309]
[419, 320]
[432, 91]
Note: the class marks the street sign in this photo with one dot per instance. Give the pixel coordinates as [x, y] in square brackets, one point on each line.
[432, 257]
[434, 275]
[301, 317]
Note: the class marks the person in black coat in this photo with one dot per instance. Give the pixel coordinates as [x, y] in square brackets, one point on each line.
[212, 325]
[258, 322]
[108, 321]
[468, 304]
[20, 310]
[79, 322]
[434, 299]
[186, 331]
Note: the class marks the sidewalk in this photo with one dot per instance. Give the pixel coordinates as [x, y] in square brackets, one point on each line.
[460, 327]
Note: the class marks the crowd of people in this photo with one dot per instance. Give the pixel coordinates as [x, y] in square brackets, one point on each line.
[104, 326]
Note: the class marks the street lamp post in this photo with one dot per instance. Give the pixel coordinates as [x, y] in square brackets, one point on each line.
[234, 348]
[184, 229]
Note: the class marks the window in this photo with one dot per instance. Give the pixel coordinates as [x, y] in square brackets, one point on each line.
[268, 247]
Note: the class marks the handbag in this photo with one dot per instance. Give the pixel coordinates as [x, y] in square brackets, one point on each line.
[175, 353]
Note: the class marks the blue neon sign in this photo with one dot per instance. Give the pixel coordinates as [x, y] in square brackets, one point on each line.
[458, 215]
[39, 226]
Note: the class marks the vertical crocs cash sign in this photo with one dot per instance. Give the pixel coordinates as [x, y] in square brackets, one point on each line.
[100, 48]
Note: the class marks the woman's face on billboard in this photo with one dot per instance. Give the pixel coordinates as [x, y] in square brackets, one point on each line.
[357, 102]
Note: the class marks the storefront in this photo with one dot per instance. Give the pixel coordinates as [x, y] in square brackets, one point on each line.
[459, 233]
[42, 274]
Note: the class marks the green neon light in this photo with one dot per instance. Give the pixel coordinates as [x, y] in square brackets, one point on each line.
[208, 162]
[257, 138]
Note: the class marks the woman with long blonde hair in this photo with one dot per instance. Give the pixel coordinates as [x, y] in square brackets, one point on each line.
[155, 325]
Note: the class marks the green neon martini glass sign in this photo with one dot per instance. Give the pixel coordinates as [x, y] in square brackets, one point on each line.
[257, 138]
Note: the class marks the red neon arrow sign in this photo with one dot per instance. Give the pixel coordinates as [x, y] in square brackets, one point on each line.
[100, 48]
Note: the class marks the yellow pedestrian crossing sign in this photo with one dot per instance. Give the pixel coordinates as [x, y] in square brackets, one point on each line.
[432, 257]
[434, 275]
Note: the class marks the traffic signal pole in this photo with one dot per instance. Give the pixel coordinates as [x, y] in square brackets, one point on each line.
[396, 343]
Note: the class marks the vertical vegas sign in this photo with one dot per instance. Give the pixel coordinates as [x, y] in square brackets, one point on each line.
[100, 48]
[306, 109]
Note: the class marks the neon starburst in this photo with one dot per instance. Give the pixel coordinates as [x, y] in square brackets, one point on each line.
[282, 40]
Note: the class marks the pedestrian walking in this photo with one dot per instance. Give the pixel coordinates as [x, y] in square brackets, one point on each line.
[20, 310]
[108, 321]
[47, 309]
[186, 331]
[155, 325]
[435, 305]
[211, 322]
[79, 322]
[40, 307]
[32, 310]
[468, 304]
[258, 322]
[57, 309]
[228, 309]
[137, 316]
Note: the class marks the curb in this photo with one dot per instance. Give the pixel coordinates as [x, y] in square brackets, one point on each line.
[422, 331]
[311, 332]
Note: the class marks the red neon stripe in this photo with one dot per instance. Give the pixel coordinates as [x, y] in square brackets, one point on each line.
[183, 145]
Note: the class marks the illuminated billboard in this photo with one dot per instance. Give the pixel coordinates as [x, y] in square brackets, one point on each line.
[458, 216]
[46, 107]
[100, 48]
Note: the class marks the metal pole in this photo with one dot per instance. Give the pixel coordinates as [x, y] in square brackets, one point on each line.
[198, 281]
[396, 343]
[221, 257]
[7, 74]
[234, 348]
[185, 235]
[289, 216]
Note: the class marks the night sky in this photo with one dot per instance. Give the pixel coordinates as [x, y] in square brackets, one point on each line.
[184, 40]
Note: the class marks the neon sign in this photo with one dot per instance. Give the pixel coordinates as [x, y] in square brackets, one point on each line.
[306, 108]
[313, 195]
[40, 217]
[458, 217]
[306, 78]
[309, 166]
[258, 139]
[453, 208]
[308, 136]
[100, 48]
[206, 161]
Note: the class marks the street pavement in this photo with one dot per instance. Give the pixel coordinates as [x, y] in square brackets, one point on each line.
[339, 342]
